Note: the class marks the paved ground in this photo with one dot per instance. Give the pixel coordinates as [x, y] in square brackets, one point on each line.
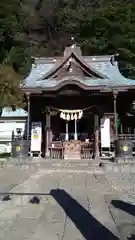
[73, 205]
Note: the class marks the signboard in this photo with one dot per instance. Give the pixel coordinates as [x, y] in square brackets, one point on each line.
[36, 136]
[105, 133]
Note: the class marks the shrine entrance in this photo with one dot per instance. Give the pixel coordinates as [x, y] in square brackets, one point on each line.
[84, 128]
[69, 119]
[75, 82]
[73, 135]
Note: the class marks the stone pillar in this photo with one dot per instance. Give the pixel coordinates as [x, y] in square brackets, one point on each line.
[75, 134]
[28, 118]
[96, 124]
[115, 113]
[48, 132]
[67, 136]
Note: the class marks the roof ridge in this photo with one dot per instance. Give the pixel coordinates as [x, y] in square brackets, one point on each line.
[63, 61]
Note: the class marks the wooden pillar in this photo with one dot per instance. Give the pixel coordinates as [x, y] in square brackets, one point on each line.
[48, 132]
[28, 118]
[75, 134]
[67, 135]
[96, 123]
[115, 93]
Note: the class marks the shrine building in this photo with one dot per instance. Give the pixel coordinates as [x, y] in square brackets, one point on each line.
[71, 96]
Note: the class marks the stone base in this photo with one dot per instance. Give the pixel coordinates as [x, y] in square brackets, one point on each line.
[119, 167]
[124, 159]
[72, 157]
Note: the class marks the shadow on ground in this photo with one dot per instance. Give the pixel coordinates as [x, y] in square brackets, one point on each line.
[126, 207]
[132, 237]
[89, 227]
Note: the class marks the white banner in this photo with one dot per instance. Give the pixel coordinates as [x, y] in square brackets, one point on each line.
[105, 133]
[36, 136]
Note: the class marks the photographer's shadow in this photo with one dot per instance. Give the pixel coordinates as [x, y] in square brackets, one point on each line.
[126, 207]
[89, 227]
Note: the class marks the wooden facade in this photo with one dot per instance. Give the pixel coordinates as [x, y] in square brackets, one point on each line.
[92, 84]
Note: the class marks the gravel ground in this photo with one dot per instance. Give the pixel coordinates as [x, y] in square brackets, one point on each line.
[124, 184]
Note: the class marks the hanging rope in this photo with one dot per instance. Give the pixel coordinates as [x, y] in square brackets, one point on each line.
[74, 110]
[71, 114]
[74, 114]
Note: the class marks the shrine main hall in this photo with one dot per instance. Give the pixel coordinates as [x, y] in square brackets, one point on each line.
[83, 104]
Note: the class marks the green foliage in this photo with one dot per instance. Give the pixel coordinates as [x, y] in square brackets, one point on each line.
[12, 57]
[100, 27]
[10, 93]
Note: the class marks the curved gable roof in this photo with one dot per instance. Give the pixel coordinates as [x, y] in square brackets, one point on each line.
[83, 65]
[100, 71]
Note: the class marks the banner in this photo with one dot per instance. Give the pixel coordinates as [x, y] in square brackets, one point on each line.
[36, 136]
[105, 132]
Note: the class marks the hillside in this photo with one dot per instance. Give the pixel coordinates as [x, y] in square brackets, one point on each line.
[44, 27]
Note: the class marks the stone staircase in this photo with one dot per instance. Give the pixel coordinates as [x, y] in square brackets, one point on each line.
[57, 165]
[70, 165]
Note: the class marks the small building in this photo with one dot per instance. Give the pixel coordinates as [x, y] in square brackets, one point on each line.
[70, 95]
[9, 122]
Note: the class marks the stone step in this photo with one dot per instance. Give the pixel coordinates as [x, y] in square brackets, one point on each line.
[57, 162]
[58, 165]
[119, 167]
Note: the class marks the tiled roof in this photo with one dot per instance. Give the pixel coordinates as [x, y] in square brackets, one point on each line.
[101, 64]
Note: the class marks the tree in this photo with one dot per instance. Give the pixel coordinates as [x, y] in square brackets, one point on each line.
[13, 58]
[43, 27]
[13, 45]
[10, 92]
